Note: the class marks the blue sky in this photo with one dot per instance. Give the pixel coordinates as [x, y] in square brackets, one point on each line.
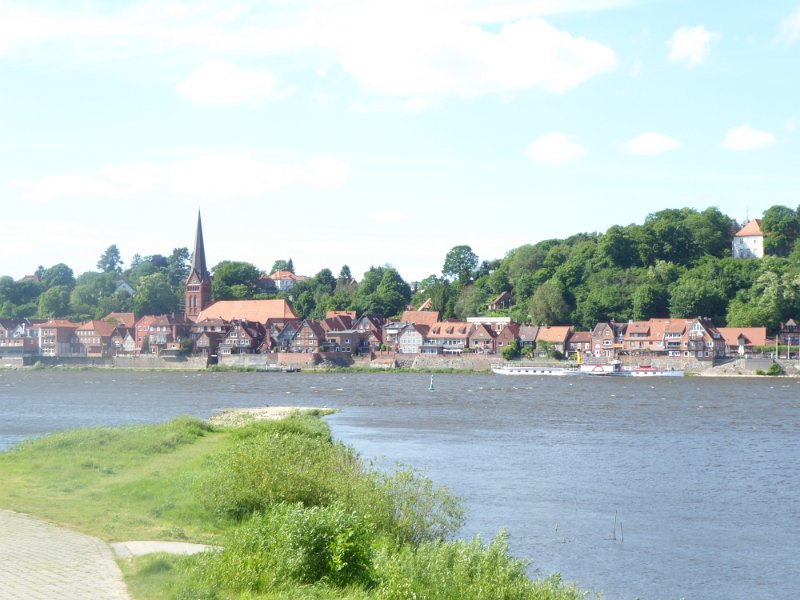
[369, 132]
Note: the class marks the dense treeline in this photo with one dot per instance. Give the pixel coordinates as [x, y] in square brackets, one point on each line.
[677, 263]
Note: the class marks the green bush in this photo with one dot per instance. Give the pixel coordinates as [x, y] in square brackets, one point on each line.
[410, 508]
[458, 570]
[775, 369]
[271, 468]
[291, 461]
[291, 544]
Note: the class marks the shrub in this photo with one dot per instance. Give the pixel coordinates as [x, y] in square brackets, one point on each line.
[460, 569]
[291, 544]
[775, 369]
[271, 468]
[411, 509]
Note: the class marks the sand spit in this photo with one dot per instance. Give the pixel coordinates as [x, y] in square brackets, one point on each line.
[236, 417]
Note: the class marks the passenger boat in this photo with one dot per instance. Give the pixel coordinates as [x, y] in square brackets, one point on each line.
[616, 369]
[650, 371]
[508, 369]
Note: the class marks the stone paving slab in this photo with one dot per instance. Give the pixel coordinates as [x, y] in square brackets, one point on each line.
[41, 561]
[130, 549]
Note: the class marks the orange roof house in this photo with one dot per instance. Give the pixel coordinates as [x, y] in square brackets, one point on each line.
[740, 340]
[749, 241]
[126, 319]
[420, 317]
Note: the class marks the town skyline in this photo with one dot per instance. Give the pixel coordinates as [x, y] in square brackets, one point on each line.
[315, 131]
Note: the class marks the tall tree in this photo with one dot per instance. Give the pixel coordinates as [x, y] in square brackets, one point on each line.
[781, 226]
[110, 261]
[154, 296]
[234, 280]
[59, 274]
[54, 302]
[344, 275]
[460, 263]
[391, 296]
[547, 306]
[279, 265]
[178, 265]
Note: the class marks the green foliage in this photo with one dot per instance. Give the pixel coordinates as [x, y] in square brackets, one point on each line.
[234, 280]
[458, 570]
[293, 544]
[58, 275]
[154, 296]
[460, 263]
[547, 306]
[511, 351]
[54, 302]
[271, 464]
[775, 369]
[110, 261]
[471, 301]
[781, 226]
[382, 290]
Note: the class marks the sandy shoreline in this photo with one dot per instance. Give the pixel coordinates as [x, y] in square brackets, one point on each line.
[234, 417]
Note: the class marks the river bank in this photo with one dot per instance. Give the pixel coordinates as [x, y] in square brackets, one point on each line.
[288, 512]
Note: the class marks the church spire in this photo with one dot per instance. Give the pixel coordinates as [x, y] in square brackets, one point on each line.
[199, 256]
[198, 284]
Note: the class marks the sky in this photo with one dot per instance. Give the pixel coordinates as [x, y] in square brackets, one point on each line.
[371, 132]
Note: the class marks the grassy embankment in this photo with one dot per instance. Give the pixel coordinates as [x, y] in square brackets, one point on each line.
[297, 515]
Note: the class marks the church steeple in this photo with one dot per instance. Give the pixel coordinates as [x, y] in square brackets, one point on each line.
[199, 256]
[198, 284]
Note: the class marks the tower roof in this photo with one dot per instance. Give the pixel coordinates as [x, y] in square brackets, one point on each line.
[199, 255]
[752, 228]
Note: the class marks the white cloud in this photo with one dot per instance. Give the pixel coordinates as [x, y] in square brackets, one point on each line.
[135, 175]
[56, 187]
[790, 27]
[219, 83]
[691, 45]
[556, 149]
[451, 54]
[791, 124]
[745, 137]
[224, 176]
[388, 216]
[651, 143]
[452, 57]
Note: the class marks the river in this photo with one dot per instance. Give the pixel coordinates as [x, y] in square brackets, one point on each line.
[670, 488]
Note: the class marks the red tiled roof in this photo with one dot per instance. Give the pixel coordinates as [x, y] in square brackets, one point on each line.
[101, 328]
[752, 228]
[757, 336]
[423, 317]
[125, 319]
[557, 334]
[250, 310]
[284, 275]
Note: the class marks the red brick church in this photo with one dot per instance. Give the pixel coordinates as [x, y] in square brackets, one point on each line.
[200, 305]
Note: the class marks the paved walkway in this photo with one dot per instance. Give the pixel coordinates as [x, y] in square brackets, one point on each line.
[40, 561]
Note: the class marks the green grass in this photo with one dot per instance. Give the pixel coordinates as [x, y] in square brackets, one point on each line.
[296, 515]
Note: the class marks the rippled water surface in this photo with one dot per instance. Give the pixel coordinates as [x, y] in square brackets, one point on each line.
[702, 476]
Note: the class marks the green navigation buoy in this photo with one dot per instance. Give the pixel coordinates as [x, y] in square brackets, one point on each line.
[430, 387]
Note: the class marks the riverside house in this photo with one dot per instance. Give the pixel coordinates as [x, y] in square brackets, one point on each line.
[555, 336]
[447, 337]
